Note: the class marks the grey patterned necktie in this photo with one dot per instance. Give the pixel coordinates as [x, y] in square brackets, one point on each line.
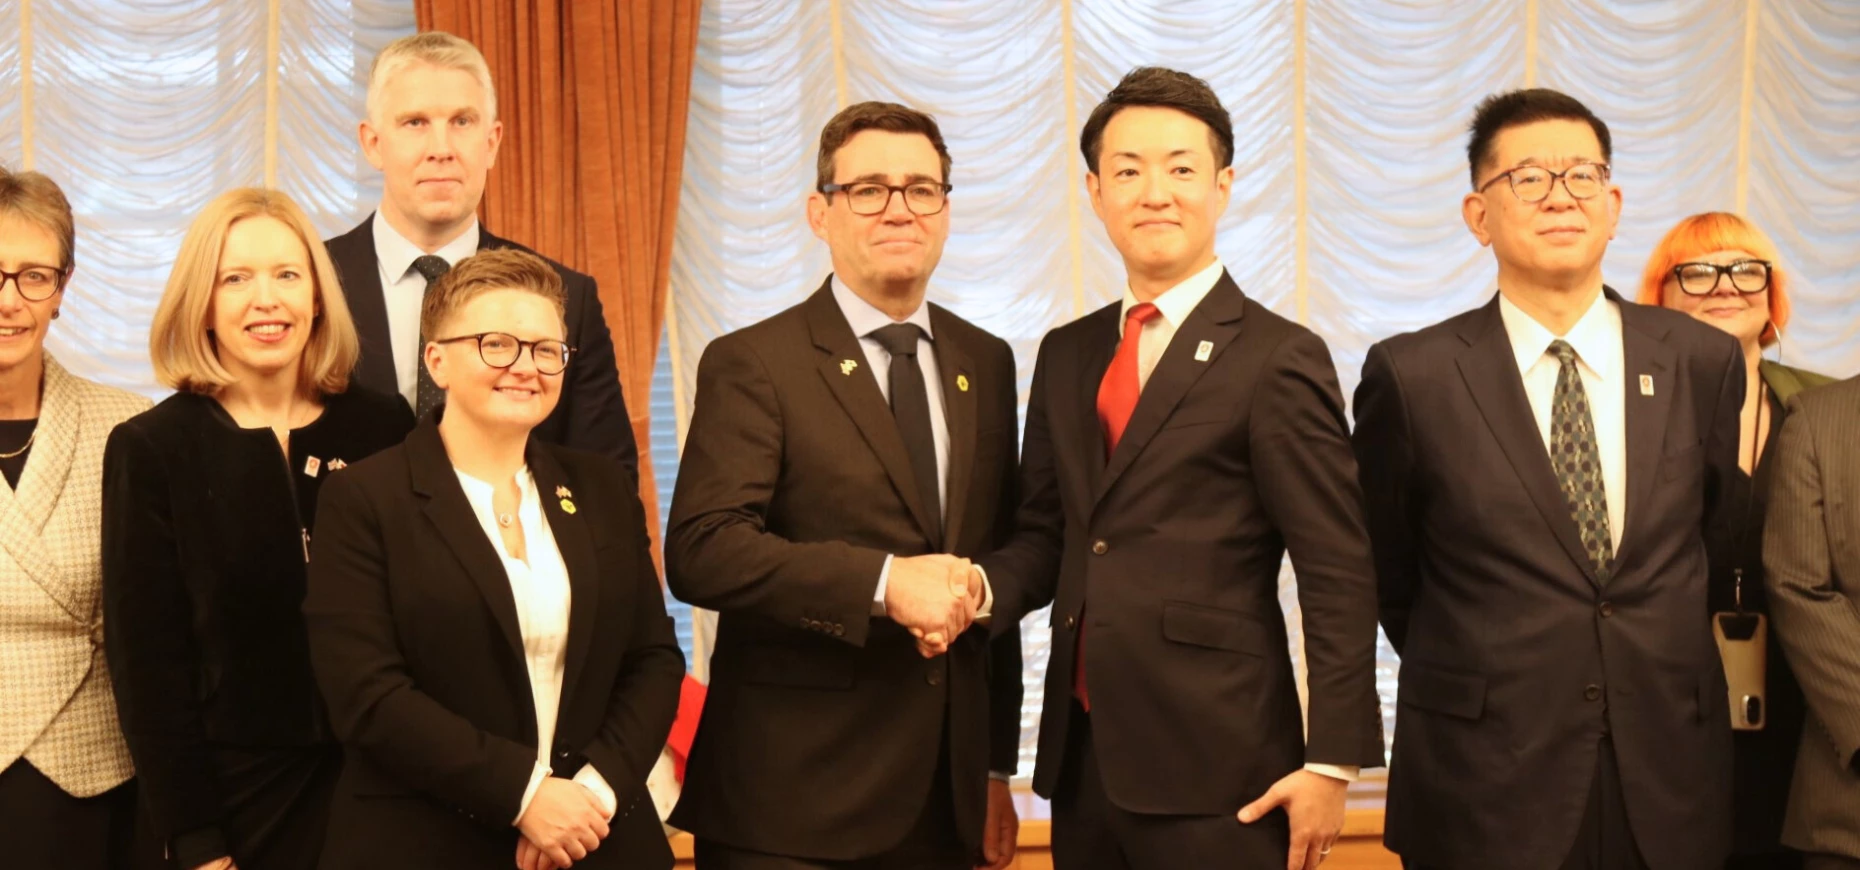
[427, 395]
[1577, 461]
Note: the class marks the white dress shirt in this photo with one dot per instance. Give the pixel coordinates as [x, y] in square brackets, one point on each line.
[1602, 364]
[403, 290]
[541, 592]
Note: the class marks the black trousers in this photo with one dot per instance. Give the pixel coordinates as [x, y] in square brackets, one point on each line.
[931, 844]
[1603, 839]
[1830, 862]
[43, 828]
[1092, 833]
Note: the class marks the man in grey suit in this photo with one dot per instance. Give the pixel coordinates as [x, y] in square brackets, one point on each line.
[1811, 556]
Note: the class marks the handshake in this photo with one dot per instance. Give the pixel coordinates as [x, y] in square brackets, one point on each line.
[936, 597]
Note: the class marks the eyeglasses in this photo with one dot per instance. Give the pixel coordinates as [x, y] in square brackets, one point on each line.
[500, 351]
[1534, 183]
[1701, 279]
[923, 198]
[35, 283]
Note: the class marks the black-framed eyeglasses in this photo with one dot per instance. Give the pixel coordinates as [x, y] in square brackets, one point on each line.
[1534, 183]
[867, 198]
[35, 283]
[500, 350]
[1701, 279]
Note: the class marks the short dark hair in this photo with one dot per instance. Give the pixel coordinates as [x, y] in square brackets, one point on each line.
[873, 115]
[1168, 89]
[1500, 112]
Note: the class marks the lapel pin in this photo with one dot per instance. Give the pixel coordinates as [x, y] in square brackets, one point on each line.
[1203, 351]
[1646, 385]
[562, 492]
[311, 466]
[568, 507]
[847, 366]
[337, 465]
[962, 383]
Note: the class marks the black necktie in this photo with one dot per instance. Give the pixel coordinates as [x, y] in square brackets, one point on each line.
[426, 394]
[910, 404]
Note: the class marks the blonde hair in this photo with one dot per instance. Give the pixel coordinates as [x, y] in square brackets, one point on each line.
[38, 200]
[181, 345]
[1709, 233]
[496, 269]
[436, 48]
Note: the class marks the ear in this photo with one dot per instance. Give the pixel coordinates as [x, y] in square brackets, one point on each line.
[434, 358]
[1224, 183]
[1473, 212]
[496, 134]
[817, 206]
[1614, 210]
[1095, 190]
[371, 143]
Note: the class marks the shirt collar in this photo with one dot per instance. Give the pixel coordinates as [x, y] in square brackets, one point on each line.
[1176, 303]
[478, 490]
[1593, 334]
[396, 254]
[865, 318]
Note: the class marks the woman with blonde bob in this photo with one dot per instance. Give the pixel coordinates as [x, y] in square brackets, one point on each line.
[1721, 269]
[209, 508]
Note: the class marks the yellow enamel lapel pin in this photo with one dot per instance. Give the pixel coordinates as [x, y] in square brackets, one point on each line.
[561, 492]
[847, 366]
[962, 383]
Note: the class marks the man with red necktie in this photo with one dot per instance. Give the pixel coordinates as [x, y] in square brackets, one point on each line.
[1178, 444]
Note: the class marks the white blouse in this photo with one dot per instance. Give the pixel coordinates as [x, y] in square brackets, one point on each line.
[541, 592]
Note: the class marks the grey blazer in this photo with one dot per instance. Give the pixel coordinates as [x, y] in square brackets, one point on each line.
[1811, 556]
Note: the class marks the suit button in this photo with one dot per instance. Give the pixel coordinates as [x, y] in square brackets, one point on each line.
[1593, 692]
[839, 630]
[1072, 622]
[806, 623]
[1099, 548]
[933, 678]
[1607, 609]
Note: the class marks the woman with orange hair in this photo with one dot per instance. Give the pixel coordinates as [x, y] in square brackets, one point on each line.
[1723, 270]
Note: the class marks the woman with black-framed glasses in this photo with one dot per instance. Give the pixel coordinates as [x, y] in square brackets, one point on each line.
[67, 797]
[485, 616]
[1721, 269]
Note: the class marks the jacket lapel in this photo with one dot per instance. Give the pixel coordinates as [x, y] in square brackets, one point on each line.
[1491, 372]
[360, 268]
[956, 372]
[1216, 321]
[1079, 447]
[25, 511]
[571, 536]
[450, 514]
[843, 367]
[1646, 354]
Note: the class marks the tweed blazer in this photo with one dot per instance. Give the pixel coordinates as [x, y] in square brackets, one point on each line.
[56, 706]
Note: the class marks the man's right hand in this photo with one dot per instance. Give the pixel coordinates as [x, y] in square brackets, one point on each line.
[564, 820]
[934, 596]
[225, 863]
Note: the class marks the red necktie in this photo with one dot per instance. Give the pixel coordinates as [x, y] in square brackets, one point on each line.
[1117, 398]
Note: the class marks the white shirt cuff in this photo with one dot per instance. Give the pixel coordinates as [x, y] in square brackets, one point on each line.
[537, 776]
[1345, 772]
[884, 579]
[1000, 776]
[987, 610]
[591, 779]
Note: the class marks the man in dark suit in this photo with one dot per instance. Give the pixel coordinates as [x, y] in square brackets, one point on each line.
[1811, 560]
[1539, 474]
[1178, 443]
[432, 130]
[834, 449]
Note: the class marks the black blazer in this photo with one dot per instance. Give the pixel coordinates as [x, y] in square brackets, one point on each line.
[1171, 552]
[203, 580]
[1515, 658]
[822, 725]
[413, 631]
[592, 414]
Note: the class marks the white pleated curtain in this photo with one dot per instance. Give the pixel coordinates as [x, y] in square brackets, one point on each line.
[1350, 123]
[144, 112]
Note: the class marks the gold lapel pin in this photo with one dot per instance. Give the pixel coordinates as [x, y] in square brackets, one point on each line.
[568, 507]
[1646, 385]
[847, 366]
[962, 383]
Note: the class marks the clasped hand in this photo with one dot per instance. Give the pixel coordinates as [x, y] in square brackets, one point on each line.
[936, 597]
[563, 823]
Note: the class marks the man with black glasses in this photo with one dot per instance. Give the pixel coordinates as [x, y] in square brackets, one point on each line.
[1538, 474]
[836, 449]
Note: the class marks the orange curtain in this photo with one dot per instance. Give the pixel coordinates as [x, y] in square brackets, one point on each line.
[593, 97]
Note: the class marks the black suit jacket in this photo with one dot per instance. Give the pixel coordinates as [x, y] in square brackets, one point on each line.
[1515, 658]
[1171, 552]
[414, 635]
[592, 414]
[822, 725]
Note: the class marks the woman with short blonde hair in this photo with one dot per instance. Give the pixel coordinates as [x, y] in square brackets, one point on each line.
[209, 506]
